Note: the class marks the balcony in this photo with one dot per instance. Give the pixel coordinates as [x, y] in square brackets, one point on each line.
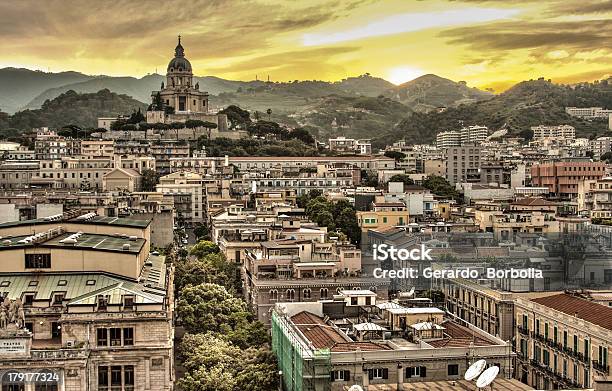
[605, 369]
[523, 330]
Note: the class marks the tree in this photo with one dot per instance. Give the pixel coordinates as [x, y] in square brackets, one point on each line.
[203, 248]
[405, 179]
[209, 126]
[441, 187]
[269, 112]
[398, 156]
[237, 117]
[136, 117]
[210, 307]
[150, 179]
[201, 232]
[607, 157]
[212, 268]
[302, 135]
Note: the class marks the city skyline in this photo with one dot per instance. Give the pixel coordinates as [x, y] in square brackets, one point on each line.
[489, 44]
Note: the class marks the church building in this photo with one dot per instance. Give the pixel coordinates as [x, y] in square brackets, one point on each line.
[179, 90]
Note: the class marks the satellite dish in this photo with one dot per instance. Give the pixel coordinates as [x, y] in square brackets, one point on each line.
[487, 377]
[356, 387]
[474, 370]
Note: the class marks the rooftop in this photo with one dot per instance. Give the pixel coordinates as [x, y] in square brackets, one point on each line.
[591, 312]
[500, 384]
[324, 336]
[101, 220]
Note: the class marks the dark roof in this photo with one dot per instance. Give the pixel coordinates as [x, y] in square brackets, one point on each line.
[597, 314]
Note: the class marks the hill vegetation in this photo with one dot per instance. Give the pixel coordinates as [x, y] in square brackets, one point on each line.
[71, 108]
[431, 91]
[529, 103]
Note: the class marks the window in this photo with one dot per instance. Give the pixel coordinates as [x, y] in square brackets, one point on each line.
[128, 302]
[453, 369]
[28, 299]
[416, 372]
[33, 283]
[58, 298]
[102, 337]
[37, 261]
[340, 375]
[353, 301]
[378, 373]
[62, 283]
[273, 294]
[102, 302]
[128, 336]
[306, 293]
[324, 293]
[90, 282]
[368, 300]
[115, 336]
[290, 294]
[5, 283]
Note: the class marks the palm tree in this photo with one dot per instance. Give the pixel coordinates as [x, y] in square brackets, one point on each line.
[269, 112]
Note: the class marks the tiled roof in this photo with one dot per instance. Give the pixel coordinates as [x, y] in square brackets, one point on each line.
[324, 336]
[533, 201]
[459, 336]
[597, 314]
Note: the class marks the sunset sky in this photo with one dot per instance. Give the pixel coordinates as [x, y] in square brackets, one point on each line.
[491, 43]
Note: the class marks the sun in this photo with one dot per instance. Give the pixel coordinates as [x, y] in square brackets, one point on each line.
[401, 75]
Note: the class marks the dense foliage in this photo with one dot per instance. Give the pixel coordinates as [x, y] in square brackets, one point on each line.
[338, 216]
[71, 108]
[255, 147]
[225, 348]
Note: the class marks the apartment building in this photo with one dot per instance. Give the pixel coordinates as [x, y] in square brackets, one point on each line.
[488, 309]
[562, 341]
[92, 308]
[49, 145]
[448, 139]
[288, 163]
[588, 112]
[94, 148]
[359, 340]
[293, 270]
[463, 163]
[17, 174]
[563, 177]
[473, 134]
[350, 146]
[595, 197]
[383, 215]
[188, 184]
[556, 132]
[600, 146]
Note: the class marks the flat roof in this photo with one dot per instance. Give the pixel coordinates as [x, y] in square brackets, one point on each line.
[85, 241]
[102, 220]
[415, 310]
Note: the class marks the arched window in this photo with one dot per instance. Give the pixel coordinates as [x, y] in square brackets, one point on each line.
[340, 288]
[273, 295]
[323, 293]
[306, 294]
[290, 294]
[373, 289]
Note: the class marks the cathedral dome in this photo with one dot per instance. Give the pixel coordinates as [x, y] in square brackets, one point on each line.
[179, 63]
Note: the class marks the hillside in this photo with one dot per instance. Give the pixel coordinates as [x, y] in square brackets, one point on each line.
[71, 108]
[19, 86]
[230, 91]
[430, 91]
[527, 104]
[358, 117]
